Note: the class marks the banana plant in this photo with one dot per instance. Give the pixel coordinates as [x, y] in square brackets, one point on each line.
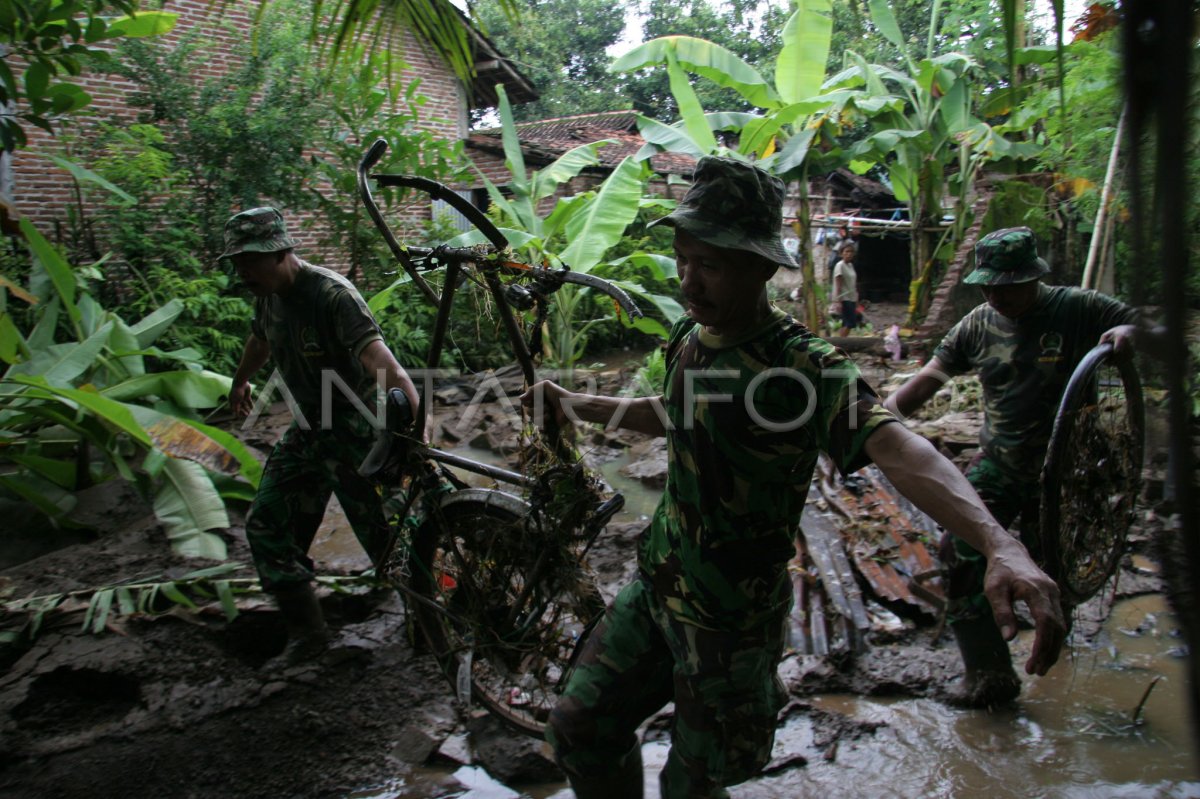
[93, 393]
[792, 135]
[577, 231]
[925, 125]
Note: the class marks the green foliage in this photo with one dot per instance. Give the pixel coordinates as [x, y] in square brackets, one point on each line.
[650, 378]
[749, 29]
[156, 262]
[46, 43]
[385, 22]
[364, 105]
[1016, 203]
[237, 141]
[1077, 139]
[579, 231]
[560, 46]
[78, 406]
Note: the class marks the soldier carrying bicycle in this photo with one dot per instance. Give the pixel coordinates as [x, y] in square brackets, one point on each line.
[1025, 341]
[330, 353]
[751, 398]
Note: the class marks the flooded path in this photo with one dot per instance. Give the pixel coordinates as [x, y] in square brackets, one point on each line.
[1072, 734]
[1070, 737]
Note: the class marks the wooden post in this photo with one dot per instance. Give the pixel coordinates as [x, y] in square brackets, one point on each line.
[1099, 230]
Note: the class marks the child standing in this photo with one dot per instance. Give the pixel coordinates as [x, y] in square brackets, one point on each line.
[845, 287]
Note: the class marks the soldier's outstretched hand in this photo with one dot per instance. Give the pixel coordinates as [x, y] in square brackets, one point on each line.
[1013, 576]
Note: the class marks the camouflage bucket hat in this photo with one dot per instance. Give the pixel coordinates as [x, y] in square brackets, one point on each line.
[256, 230]
[1007, 256]
[736, 205]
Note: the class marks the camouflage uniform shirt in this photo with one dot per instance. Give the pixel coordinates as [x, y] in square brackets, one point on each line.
[1024, 365]
[321, 324]
[748, 418]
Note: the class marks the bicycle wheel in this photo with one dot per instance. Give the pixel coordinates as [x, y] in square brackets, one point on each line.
[502, 605]
[1092, 475]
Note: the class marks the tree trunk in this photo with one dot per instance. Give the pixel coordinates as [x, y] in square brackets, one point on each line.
[808, 288]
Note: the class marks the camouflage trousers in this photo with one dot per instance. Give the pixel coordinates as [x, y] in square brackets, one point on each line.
[1008, 497]
[724, 685]
[304, 468]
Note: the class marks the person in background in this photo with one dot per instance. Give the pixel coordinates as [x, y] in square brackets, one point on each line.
[331, 356]
[845, 287]
[844, 235]
[1024, 341]
[751, 398]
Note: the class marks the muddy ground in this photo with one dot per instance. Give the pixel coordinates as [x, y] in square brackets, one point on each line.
[185, 704]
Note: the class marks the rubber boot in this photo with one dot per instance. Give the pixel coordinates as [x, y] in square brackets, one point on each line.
[989, 679]
[623, 782]
[308, 636]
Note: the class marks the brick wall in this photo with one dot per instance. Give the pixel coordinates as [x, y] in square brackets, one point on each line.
[43, 192]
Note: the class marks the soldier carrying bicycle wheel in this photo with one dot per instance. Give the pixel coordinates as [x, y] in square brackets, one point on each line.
[1025, 340]
[751, 397]
[330, 359]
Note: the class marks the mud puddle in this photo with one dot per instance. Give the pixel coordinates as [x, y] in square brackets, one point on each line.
[1073, 734]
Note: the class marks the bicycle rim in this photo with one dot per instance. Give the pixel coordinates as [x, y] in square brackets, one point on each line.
[486, 616]
[1092, 475]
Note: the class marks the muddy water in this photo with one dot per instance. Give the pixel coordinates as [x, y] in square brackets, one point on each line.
[1072, 735]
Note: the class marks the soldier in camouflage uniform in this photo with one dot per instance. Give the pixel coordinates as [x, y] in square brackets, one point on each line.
[331, 360]
[751, 397]
[1025, 342]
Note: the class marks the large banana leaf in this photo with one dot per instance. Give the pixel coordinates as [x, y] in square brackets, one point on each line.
[185, 439]
[669, 307]
[806, 37]
[792, 155]
[566, 167]
[730, 120]
[601, 224]
[12, 343]
[690, 110]
[51, 500]
[55, 266]
[42, 335]
[113, 413]
[514, 160]
[127, 360]
[668, 138]
[758, 135]
[885, 21]
[59, 472]
[60, 364]
[153, 325]
[471, 238]
[188, 505]
[661, 267]
[565, 209]
[706, 59]
[185, 388]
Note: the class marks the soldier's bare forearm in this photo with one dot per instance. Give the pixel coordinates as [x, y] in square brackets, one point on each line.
[254, 355]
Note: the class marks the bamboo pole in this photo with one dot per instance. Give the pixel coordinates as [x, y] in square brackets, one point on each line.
[1098, 230]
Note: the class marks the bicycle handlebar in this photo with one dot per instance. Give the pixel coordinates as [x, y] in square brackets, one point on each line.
[472, 255]
[463, 255]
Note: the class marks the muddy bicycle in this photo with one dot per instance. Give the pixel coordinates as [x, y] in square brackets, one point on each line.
[496, 578]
